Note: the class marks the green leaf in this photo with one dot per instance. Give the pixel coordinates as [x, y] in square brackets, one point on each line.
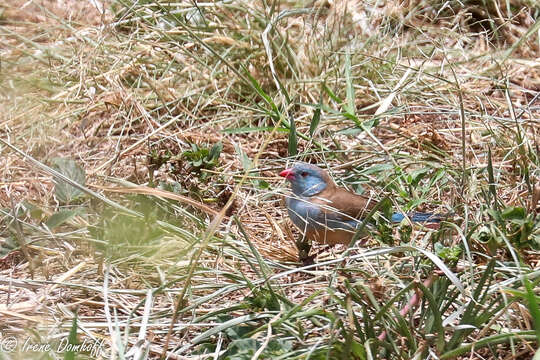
[378, 168]
[349, 107]
[241, 349]
[418, 175]
[236, 332]
[438, 176]
[258, 88]
[65, 193]
[244, 158]
[315, 121]
[534, 307]
[278, 347]
[62, 216]
[513, 213]
[35, 212]
[293, 142]
[331, 94]
[216, 151]
[386, 208]
[350, 131]
[316, 118]
[358, 350]
[448, 253]
[262, 299]
[415, 203]
[202, 157]
[7, 245]
[72, 340]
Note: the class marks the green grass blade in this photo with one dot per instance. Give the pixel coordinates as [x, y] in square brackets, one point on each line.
[293, 141]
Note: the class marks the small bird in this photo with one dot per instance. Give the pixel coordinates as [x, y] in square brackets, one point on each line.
[329, 214]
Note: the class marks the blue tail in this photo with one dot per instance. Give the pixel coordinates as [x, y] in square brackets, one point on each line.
[418, 217]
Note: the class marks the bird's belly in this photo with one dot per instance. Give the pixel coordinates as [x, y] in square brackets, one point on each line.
[318, 225]
[330, 237]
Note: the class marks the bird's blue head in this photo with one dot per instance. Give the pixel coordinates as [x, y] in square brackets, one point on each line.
[306, 179]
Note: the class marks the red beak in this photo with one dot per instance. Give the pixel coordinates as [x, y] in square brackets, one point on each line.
[287, 174]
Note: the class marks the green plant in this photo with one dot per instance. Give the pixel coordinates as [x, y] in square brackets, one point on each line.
[239, 346]
[65, 192]
[513, 224]
[202, 157]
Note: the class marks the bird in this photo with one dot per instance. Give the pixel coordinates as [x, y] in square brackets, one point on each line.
[329, 214]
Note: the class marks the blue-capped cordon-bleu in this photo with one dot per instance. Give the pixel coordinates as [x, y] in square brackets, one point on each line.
[329, 214]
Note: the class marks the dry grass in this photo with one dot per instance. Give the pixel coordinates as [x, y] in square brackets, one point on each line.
[417, 91]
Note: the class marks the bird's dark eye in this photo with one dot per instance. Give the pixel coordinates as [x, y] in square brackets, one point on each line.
[304, 174]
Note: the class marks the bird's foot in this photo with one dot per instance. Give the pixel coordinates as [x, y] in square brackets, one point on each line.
[306, 259]
[309, 260]
[304, 247]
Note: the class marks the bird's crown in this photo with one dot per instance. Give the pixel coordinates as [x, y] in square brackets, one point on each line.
[306, 179]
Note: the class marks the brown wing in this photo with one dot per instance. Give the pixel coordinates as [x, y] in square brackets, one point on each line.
[346, 203]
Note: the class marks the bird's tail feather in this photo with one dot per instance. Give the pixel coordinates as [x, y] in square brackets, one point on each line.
[418, 217]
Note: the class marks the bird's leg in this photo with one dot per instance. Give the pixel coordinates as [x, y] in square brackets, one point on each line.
[304, 247]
